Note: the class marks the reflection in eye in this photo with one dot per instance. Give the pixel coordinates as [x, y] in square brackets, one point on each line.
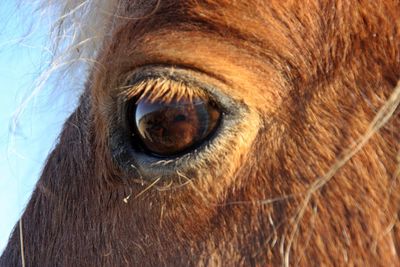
[173, 127]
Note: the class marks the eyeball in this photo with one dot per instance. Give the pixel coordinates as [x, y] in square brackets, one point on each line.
[171, 128]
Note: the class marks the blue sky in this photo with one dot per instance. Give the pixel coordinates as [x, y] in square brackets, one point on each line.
[25, 140]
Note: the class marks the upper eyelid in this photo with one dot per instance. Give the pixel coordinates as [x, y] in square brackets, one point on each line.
[170, 70]
[186, 76]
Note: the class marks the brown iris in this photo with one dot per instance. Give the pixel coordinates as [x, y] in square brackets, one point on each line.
[173, 127]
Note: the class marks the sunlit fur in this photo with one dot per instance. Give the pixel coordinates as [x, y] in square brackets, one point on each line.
[308, 176]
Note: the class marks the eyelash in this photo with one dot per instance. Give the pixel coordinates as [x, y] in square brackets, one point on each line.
[163, 90]
[178, 84]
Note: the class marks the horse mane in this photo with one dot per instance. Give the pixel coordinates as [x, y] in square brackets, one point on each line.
[78, 26]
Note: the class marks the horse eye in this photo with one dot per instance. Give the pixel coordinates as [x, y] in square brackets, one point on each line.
[173, 127]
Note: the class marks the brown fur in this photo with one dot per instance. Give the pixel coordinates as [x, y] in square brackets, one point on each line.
[313, 75]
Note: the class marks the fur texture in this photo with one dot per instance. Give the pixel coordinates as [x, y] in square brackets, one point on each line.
[306, 175]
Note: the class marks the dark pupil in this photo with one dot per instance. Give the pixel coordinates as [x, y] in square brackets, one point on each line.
[167, 129]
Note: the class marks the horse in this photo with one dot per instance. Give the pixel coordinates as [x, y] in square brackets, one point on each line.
[223, 133]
